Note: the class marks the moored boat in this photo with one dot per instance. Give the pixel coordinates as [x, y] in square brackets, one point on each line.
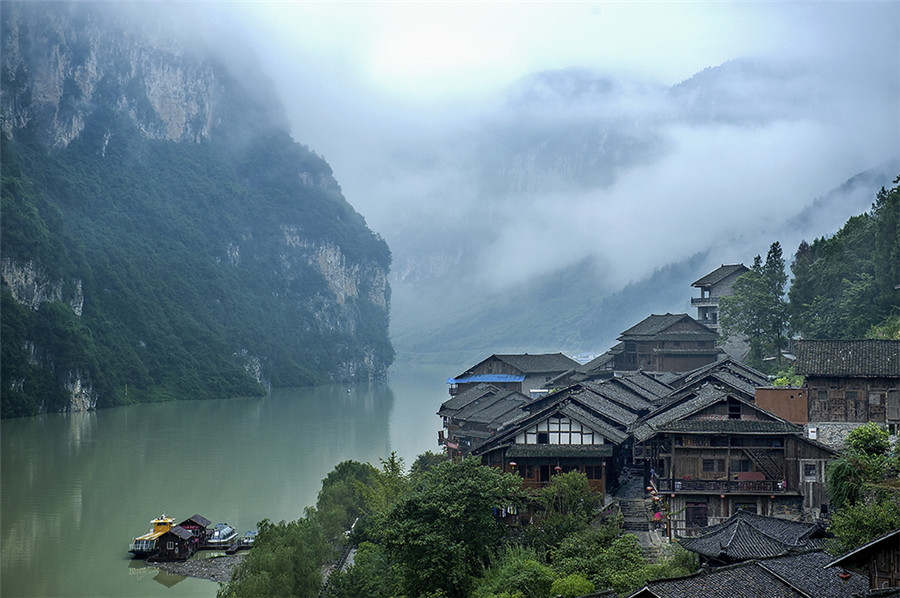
[144, 546]
[222, 536]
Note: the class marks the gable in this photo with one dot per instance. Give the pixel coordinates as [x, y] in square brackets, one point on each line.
[568, 425]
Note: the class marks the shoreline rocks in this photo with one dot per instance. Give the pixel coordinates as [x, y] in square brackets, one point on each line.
[218, 569]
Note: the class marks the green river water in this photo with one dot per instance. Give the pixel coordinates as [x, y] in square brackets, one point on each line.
[74, 489]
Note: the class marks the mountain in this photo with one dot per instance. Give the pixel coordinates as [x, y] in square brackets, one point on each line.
[589, 201]
[163, 237]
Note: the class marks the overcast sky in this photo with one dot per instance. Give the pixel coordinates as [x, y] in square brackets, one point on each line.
[383, 89]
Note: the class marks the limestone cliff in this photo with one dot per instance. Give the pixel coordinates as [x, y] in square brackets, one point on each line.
[162, 235]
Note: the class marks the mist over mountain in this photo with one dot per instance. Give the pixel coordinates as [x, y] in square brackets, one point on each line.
[163, 237]
[591, 200]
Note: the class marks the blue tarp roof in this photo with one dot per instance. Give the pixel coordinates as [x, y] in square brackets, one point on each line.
[486, 378]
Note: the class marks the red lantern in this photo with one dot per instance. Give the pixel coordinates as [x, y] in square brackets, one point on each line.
[844, 576]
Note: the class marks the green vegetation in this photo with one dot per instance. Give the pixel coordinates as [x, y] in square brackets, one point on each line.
[843, 287]
[433, 531]
[864, 487]
[757, 310]
[179, 251]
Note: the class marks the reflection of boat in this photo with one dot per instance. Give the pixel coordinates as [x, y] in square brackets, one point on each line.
[144, 546]
[222, 535]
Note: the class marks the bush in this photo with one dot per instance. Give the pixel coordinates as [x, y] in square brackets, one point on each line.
[870, 439]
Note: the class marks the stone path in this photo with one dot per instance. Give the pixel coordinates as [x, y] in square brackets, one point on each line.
[637, 508]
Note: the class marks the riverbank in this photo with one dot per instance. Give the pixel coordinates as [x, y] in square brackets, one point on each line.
[217, 569]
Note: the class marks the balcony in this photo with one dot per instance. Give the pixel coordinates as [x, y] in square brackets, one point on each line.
[723, 486]
[704, 301]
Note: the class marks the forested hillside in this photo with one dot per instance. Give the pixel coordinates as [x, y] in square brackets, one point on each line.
[158, 251]
[846, 284]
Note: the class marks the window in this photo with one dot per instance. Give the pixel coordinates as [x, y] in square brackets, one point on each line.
[170, 545]
[874, 398]
[809, 470]
[734, 409]
[593, 472]
[738, 465]
[543, 438]
[695, 514]
[714, 465]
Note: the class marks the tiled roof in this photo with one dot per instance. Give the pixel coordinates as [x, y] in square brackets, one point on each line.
[804, 571]
[198, 519]
[704, 396]
[559, 450]
[469, 395]
[490, 408]
[617, 392]
[655, 324]
[862, 554]
[730, 426]
[752, 378]
[650, 383]
[546, 362]
[796, 575]
[853, 358]
[745, 536]
[592, 401]
[723, 271]
[737, 581]
[577, 413]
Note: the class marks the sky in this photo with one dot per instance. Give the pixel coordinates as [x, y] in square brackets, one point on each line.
[402, 99]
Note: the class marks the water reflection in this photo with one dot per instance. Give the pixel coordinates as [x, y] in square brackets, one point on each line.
[75, 489]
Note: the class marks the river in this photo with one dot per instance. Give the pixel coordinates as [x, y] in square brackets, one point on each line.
[74, 489]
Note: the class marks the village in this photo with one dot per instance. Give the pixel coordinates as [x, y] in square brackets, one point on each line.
[693, 445]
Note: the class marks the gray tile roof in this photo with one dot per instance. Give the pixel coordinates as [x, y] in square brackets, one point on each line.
[621, 394]
[751, 377]
[454, 404]
[745, 536]
[654, 325]
[804, 571]
[730, 426]
[852, 358]
[796, 575]
[704, 396]
[723, 271]
[501, 406]
[546, 362]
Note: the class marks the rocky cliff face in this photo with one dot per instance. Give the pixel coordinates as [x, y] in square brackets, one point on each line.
[153, 193]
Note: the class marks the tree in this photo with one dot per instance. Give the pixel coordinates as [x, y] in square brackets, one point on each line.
[517, 572]
[443, 532]
[757, 309]
[286, 560]
[342, 498]
[567, 506]
[864, 487]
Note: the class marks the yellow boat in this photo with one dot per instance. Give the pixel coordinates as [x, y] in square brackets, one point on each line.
[144, 546]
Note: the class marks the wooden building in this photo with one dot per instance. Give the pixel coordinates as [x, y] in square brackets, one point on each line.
[666, 343]
[177, 544]
[712, 452]
[522, 373]
[476, 414]
[851, 382]
[197, 525]
[712, 287]
[879, 560]
[561, 435]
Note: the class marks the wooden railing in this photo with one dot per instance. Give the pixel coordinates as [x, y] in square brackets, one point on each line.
[722, 486]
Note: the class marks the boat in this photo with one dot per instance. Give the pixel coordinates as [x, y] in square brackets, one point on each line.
[222, 535]
[144, 546]
[245, 543]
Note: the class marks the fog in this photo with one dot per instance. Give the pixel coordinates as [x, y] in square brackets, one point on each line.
[492, 144]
